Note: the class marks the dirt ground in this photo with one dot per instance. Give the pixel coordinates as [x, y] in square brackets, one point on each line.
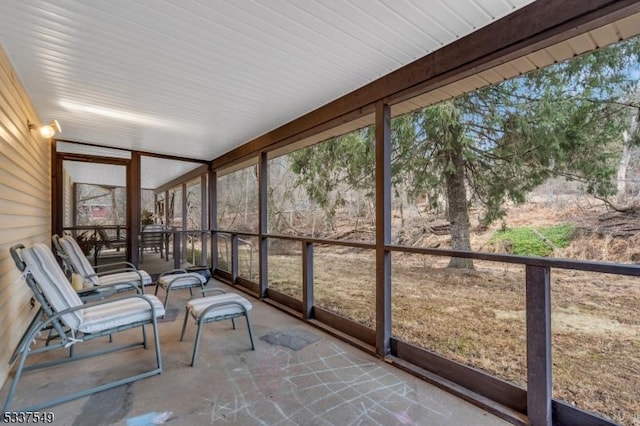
[477, 317]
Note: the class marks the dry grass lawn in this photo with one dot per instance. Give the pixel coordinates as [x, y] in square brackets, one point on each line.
[478, 318]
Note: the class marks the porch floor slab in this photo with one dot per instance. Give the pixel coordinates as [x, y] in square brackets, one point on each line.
[323, 381]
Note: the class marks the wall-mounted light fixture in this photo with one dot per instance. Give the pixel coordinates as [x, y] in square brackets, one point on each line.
[47, 131]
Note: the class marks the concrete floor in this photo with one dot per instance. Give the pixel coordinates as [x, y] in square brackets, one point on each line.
[326, 382]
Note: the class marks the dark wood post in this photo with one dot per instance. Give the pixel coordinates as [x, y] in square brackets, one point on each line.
[204, 222]
[307, 280]
[74, 205]
[234, 258]
[213, 217]
[133, 207]
[383, 228]
[538, 291]
[263, 182]
[166, 209]
[185, 225]
[177, 249]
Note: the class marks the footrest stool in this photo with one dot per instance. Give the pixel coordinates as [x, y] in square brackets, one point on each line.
[177, 279]
[216, 308]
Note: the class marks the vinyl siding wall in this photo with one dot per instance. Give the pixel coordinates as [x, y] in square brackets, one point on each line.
[25, 175]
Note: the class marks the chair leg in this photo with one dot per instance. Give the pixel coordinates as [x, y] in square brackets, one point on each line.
[144, 337]
[156, 338]
[233, 323]
[35, 323]
[197, 344]
[253, 347]
[50, 337]
[166, 296]
[184, 324]
[155, 293]
[16, 379]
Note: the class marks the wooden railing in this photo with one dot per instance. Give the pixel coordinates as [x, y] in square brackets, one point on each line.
[191, 246]
[533, 405]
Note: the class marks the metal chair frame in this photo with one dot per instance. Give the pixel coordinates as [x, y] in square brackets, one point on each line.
[47, 319]
[202, 319]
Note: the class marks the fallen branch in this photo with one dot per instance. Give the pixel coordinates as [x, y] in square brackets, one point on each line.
[633, 208]
[342, 234]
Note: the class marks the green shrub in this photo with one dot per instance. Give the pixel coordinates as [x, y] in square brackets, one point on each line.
[524, 241]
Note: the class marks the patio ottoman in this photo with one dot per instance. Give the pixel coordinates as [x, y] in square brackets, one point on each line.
[178, 279]
[226, 306]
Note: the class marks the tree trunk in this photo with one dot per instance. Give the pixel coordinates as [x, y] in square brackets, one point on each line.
[457, 211]
[622, 170]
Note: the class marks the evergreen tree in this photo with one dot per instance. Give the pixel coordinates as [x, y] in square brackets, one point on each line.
[496, 144]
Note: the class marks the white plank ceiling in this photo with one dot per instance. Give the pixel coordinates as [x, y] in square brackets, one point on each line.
[196, 78]
[601, 37]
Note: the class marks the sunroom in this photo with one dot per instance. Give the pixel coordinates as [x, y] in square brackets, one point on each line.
[302, 155]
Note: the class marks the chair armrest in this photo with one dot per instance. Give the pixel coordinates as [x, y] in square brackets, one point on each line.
[99, 288]
[140, 279]
[212, 289]
[104, 302]
[128, 264]
[43, 324]
[114, 271]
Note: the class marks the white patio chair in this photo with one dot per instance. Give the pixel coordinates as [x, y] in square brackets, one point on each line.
[127, 277]
[75, 323]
